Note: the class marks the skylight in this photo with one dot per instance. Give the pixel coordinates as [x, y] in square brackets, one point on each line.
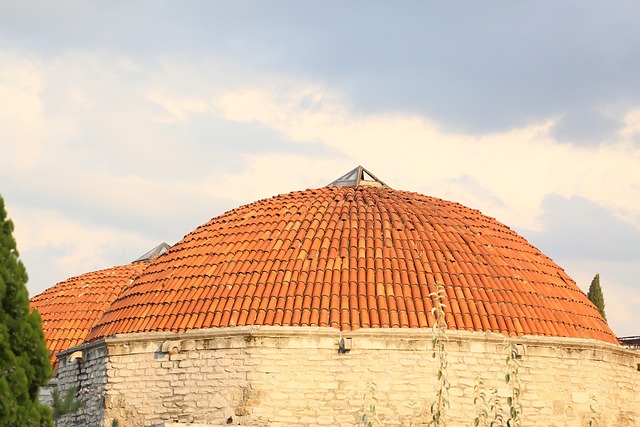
[358, 176]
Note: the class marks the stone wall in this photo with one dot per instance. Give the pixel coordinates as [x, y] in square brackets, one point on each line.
[86, 369]
[281, 376]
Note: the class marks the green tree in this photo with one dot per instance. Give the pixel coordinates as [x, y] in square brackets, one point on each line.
[595, 295]
[68, 405]
[24, 359]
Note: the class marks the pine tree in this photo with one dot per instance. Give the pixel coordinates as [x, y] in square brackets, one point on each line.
[595, 295]
[24, 359]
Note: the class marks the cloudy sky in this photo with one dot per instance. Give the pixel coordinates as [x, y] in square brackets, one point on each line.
[126, 124]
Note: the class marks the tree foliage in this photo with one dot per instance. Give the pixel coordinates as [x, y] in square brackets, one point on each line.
[24, 359]
[66, 405]
[595, 295]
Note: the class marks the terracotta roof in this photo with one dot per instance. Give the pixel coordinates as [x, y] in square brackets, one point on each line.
[354, 257]
[69, 309]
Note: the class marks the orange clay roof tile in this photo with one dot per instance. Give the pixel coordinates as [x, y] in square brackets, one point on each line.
[352, 257]
[70, 308]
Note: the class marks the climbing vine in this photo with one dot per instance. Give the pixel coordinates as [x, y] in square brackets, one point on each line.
[438, 408]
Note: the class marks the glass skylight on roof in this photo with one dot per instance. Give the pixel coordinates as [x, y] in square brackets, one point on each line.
[358, 176]
[155, 252]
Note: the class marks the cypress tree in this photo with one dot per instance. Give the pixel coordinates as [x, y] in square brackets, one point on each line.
[595, 295]
[24, 359]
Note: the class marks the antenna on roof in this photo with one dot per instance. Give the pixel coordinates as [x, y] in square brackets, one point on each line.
[154, 253]
[358, 176]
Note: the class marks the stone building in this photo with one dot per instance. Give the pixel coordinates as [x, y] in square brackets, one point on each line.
[323, 307]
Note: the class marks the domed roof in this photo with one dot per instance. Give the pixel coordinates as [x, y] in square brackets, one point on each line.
[70, 308]
[349, 257]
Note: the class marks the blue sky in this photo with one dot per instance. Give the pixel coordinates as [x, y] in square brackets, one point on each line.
[126, 124]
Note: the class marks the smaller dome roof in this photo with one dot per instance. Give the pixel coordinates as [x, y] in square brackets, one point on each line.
[70, 308]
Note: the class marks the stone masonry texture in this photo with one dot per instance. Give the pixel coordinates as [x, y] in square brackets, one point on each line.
[289, 376]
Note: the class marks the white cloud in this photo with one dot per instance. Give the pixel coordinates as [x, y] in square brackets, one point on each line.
[178, 107]
[631, 125]
[270, 174]
[22, 128]
[54, 247]
[520, 166]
